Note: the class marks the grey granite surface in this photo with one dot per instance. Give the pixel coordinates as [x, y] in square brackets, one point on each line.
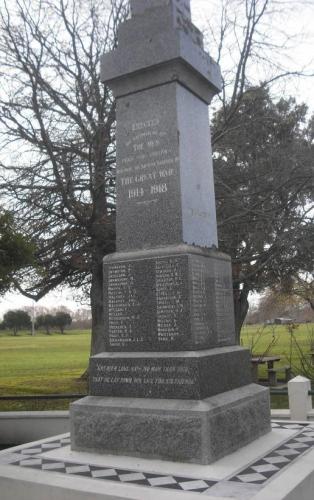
[156, 34]
[171, 384]
[167, 299]
[187, 431]
[164, 183]
[139, 7]
[180, 375]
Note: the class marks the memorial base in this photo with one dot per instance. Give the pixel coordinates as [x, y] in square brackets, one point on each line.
[177, 430]
[277, 466]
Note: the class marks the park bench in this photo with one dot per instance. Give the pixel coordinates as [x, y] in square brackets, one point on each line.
[260, 359]
[272, 374]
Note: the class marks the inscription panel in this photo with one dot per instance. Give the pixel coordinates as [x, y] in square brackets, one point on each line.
[147, 304]
[224, 303]
[212, 301]
[172, 302]
[127, 297]
[202, 322]
[148, 186]
[191, 377]
[143, 378]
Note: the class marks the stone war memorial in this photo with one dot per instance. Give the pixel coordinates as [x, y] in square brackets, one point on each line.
[169, 382]
[172, 412]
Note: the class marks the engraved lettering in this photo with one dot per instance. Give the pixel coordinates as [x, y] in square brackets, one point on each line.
[138, 147]
[125, 181]
[145, 177]
[146, 124]
[166, 173]
[128, 315]
[158, 188]
[143, 374]
[135, 193]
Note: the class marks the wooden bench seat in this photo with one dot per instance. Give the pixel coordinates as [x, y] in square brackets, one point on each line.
[272, 374]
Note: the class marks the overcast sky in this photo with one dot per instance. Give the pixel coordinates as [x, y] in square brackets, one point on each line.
[291, 26]
[298, 23]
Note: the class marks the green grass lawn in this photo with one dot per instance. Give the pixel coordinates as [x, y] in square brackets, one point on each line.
[292, 347]
[43, 364]
[278, 340]
[54, 364]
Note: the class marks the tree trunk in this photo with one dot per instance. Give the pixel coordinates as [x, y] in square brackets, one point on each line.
[100, 231]
[96, 297]
[241, 307]
[97, 305]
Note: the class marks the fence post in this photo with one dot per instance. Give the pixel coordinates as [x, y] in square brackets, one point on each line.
[300, 403]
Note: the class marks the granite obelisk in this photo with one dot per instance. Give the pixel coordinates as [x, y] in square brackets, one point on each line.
[169, 381]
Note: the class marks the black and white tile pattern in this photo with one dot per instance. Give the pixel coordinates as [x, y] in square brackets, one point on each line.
[291, 425]
[262, 470]
[257, 473]
[34, 461]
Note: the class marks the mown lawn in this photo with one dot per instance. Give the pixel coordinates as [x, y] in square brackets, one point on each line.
[54, 364]
[285, 340]
[293, 345]
[43, 364]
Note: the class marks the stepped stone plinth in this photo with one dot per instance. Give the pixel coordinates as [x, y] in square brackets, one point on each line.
[168, 381]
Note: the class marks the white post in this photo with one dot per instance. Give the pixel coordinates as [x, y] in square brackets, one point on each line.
[300, 403]
[33, 319]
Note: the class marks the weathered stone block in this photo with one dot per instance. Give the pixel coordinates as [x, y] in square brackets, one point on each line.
[175, 375]
[185, 431]
[175, 298]
[164, 184]
[160, 33]
[139, 7]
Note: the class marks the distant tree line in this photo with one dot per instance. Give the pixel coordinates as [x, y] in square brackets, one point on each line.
[17, 320]
[48, 321]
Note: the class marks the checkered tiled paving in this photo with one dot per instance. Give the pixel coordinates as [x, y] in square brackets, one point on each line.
[256, 473]
[35, 461]
[42, 447]
[262, 470]
[291, 425]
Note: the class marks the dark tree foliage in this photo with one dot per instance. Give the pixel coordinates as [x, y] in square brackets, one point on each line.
[16, 251]
[61, 320]
[263, 167]
[46, 321]
[17, 320]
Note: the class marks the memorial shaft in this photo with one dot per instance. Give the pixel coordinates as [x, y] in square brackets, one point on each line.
[167, 364]
[164, 188]
[163, 81]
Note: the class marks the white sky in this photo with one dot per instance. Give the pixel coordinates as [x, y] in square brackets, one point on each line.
[57, 298]
[295, 21]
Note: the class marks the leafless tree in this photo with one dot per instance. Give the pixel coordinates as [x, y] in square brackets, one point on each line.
[57, 126]
[251, 42]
